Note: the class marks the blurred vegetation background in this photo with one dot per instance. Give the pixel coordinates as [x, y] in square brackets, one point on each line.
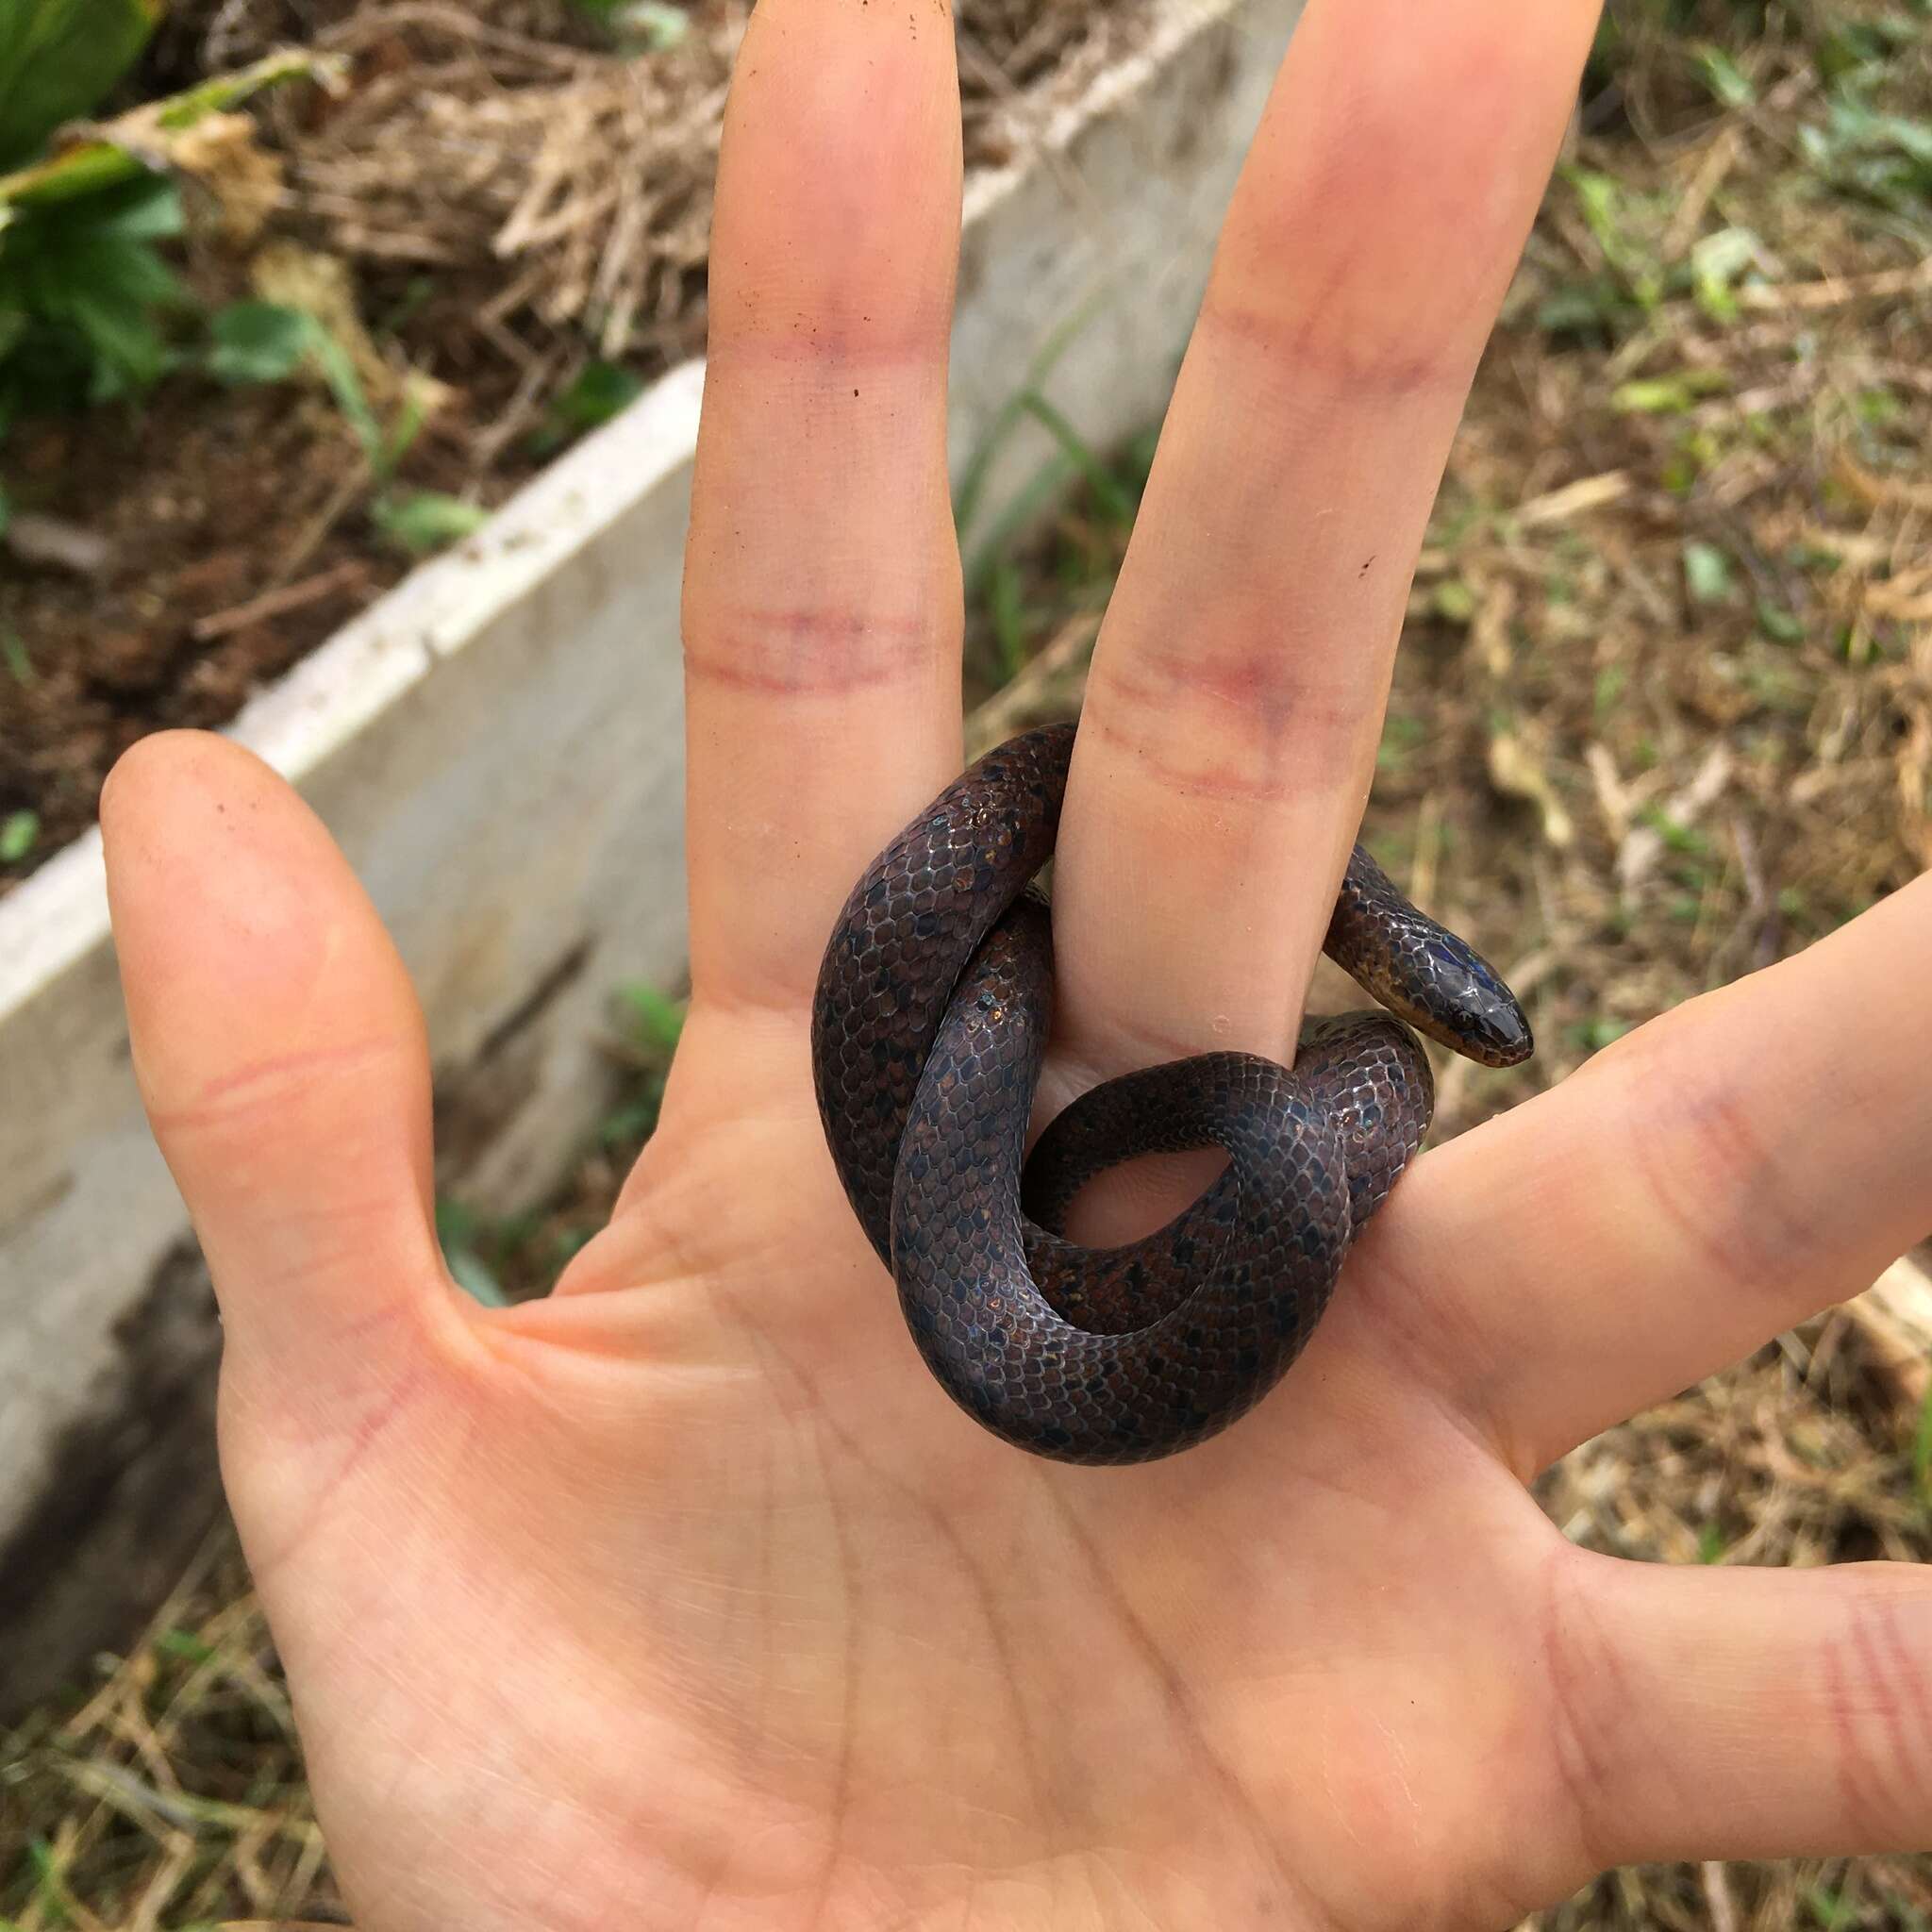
[1663, 712]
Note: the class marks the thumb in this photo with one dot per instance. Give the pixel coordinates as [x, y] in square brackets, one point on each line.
[281, 1057]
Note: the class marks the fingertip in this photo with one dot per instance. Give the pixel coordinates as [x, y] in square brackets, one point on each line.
[238, 919]
[846, 119]
[142, 777]
[176, 799]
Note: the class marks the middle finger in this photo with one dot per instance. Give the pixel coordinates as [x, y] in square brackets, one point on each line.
[1231, 719]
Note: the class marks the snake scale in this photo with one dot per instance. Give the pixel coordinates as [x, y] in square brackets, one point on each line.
[930, 1019]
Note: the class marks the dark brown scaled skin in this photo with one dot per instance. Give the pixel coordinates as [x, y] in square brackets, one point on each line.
[931, 1018]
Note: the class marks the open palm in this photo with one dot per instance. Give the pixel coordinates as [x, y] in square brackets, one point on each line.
[683, 1597]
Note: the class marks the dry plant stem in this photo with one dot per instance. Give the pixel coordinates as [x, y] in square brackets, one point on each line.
[276, 603]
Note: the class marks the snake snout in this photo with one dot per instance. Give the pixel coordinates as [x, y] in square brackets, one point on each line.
[1488, 1025]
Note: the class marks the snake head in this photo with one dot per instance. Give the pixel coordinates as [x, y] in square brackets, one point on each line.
[1471, 1009]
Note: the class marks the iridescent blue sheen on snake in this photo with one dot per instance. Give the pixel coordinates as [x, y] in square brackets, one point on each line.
[931, 1017]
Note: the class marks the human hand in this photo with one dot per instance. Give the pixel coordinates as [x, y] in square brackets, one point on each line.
[684, 1597]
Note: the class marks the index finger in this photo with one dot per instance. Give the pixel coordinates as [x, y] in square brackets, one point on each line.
[821, 608]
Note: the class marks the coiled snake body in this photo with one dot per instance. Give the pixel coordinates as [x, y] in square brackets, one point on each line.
[930, 1019]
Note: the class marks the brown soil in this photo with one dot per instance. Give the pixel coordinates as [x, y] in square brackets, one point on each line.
[228, 528]
[201, 510]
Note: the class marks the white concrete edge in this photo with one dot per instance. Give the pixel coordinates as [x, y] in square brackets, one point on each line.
[60, 914]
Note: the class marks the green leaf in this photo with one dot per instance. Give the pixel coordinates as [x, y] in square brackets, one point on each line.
[186, 1645]
[60, 58]
[1868, 155]
[1583, 309]
[117, 157]
[1401, 735]
[1594, 1035]
[1110, 493]
[1678, 837]
[656, 26]
[1718, 264]
[338, 369]
[394, 445]
[1660, 395]
[1878, 407]
[656, 1020]
[1046, 484]
[149, 209]
[475, 1277]
[1856, 44]
[1779, 624]
[1708, 573]
[600, 392]
[1829, 1910]
[1597, 196]
[647, 23]
[1666, 396]
[1730, 85]
[632, 1122]
[259, 342]
[426, 519]
[1006, 607]
[88, 296]
[20, 832]
[458, 1225]
[129, 352]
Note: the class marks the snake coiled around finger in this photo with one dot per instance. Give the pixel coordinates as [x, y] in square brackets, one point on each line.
[929, 1024]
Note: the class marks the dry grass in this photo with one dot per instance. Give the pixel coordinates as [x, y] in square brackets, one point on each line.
[558, 187]
[1664, 714]
[175, 1797]
[515, 195]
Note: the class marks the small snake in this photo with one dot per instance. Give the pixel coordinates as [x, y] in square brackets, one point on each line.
[930, 1019]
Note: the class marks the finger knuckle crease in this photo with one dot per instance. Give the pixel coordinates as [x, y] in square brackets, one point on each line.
[1241, 725]
[1878, 1696]
[1722, 1186]
[237, 1100]
[809, 650]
